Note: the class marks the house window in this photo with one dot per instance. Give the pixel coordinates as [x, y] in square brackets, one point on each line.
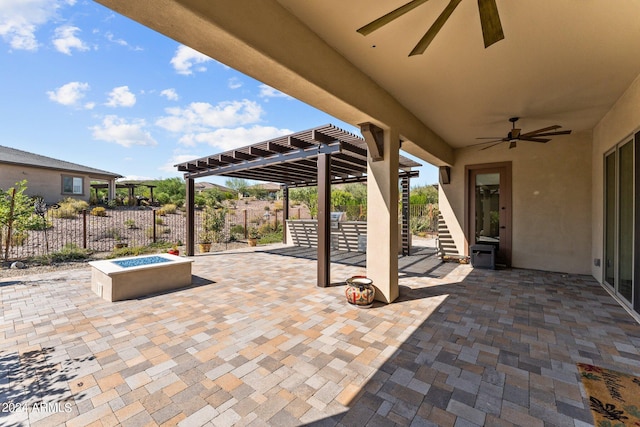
[72, 185]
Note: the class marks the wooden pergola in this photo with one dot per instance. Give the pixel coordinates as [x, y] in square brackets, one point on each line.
[320, 157]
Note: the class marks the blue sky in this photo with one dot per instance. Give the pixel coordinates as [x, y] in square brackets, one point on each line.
[81, 83]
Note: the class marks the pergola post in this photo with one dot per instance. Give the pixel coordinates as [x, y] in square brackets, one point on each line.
[382, 219]
[324, 218]
[285, 212]
[406, 215]
[190, 194]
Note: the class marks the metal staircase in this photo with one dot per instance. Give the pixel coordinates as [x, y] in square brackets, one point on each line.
[446, 245]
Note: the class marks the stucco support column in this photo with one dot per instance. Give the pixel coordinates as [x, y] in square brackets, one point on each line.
[382, 219]
[112, 189]
[324, 220]
[190, 223]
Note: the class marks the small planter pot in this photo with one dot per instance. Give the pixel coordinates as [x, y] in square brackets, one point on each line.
[252, 241]
[173, 252]
[204, 247]
[360, 291]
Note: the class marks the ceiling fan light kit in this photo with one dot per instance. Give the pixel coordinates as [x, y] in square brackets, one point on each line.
[489, 20]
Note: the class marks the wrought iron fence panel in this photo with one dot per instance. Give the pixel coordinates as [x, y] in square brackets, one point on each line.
[133, 227]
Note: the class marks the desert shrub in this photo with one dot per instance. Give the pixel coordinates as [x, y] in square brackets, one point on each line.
[69, 252]
[130, 224]
[274, 237]
[112, 233]
[64, 212]
[161, 212]
[75, 204]
[127, 251]
[160, 230]
[159, 221]
[69, 208]
[99, 211]
[170, 208]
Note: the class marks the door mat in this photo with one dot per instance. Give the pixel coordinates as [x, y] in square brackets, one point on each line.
[614, 396]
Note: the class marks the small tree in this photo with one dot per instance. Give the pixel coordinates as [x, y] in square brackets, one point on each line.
[15, 212]
[213, 221]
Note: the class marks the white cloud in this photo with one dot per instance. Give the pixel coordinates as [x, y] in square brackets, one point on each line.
[228, 139]
[170, 94]
[70, 94]
[118, 130]
[65, 39]
[234, 83]
[186, 58]
[202, 116]
[121, 97]
[19, 20]
[269, 92]
[130, 178]
[109, 36]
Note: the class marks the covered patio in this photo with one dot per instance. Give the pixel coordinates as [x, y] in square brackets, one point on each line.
[263, 346]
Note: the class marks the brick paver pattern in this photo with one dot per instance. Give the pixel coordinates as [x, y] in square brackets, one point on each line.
[255, 342]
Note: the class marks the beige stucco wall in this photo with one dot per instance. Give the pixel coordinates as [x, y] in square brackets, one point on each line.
[46, 183]
[551, 208]
[618, 125]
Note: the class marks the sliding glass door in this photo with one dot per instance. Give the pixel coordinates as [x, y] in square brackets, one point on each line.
[620, 211]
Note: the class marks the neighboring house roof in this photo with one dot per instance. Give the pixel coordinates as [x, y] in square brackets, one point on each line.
[201, 186]
[18, 157]
[268, 186]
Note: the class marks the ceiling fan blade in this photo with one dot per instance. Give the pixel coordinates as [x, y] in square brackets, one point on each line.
[512, 144]
[538, 131]
[426, 40]
[490, 21]
[560, 132]
[492, 145]
[385, 19]
[529, 138]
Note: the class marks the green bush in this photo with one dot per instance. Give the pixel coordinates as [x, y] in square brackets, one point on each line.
[35, 222]
[273, 237]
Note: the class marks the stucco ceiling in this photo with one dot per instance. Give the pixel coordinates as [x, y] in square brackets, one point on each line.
[561, 62]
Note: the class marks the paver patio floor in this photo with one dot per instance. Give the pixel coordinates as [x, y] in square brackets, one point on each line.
[255, 342]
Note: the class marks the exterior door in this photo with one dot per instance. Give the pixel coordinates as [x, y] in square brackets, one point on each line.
[620, 203]
[489, 208]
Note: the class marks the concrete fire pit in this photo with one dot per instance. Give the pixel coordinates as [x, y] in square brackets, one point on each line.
[132, 277]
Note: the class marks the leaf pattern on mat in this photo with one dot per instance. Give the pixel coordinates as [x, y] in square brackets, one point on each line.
[590, 376]
[633, 410]
[607, 410]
